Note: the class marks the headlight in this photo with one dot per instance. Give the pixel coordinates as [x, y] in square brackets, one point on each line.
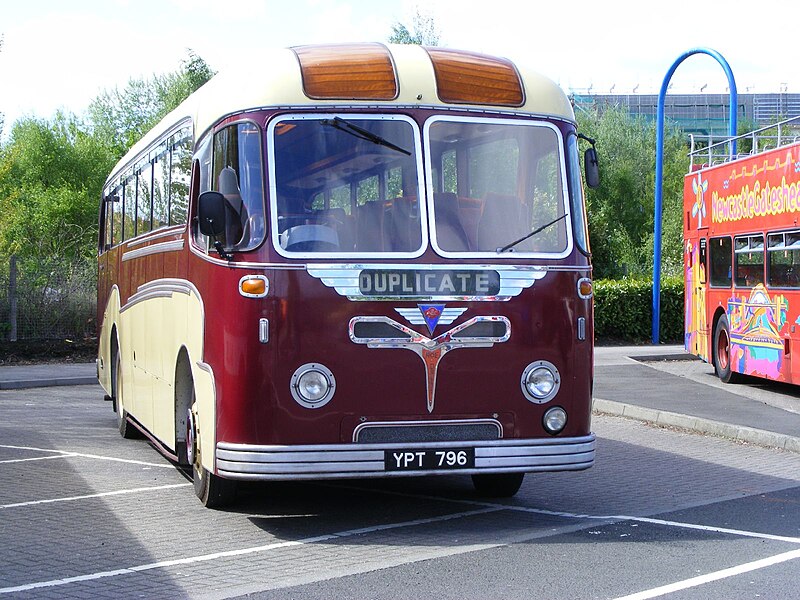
[313, 385]
[554, 420]
[540, 381]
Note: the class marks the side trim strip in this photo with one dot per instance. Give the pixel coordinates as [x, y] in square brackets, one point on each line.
[158, 233]
[173, 246]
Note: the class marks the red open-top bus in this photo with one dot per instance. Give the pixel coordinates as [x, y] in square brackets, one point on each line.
[742, 258]
[354, 261]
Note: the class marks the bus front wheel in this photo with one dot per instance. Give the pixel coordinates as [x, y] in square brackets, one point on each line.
[722, 353]
[126, 428]
[497, 485]
[212, 490]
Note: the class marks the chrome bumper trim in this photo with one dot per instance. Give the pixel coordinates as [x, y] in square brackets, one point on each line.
[336, 461]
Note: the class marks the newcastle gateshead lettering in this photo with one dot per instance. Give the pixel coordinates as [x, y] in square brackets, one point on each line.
[756, 202]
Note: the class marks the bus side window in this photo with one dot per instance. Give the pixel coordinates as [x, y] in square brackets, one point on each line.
[749, 260]
[144, 208]
[180, 174]
[161, 187]
[702, 263]
[784, 259]
[129, 224]
[203, 160]
[237, 174]
[720, 250]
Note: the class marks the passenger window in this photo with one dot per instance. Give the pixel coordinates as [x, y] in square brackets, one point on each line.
[180, 176]
[784, 259]
[144, 205]
[118, 214]
[749, 259]
[130, 206]
[720, 253]
[161, 172]
[237, 175]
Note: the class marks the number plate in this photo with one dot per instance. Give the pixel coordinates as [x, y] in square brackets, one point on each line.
[429, 460]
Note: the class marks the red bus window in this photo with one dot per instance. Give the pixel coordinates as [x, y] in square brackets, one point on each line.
[783, 251]
[720, 252]
[749, 259]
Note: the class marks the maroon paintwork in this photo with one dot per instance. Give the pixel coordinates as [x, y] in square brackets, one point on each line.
[309, 323]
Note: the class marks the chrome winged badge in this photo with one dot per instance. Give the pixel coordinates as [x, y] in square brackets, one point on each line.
[430, 315]
[383, 332]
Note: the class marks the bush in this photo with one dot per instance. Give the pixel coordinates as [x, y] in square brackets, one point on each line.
[623, 310]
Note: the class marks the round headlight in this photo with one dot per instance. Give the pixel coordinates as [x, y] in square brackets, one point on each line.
[313, 385]
[554, 420]
[540, 381]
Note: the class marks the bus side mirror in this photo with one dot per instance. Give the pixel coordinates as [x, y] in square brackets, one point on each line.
[591, 168]
[211, 214]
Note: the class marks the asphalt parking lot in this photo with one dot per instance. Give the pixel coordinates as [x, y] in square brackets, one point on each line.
[663, 513]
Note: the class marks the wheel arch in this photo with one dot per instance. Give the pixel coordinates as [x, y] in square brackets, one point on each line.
[184, 397]
[712, 334]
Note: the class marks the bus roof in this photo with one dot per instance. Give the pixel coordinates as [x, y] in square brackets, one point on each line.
[368, 74]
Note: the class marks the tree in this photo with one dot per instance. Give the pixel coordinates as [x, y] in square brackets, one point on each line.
[621, 209]
[425, 32]
[52, 171]
[120, 117]
[2, 116]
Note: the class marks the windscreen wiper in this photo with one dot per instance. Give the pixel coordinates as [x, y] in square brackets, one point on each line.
[362, 134]
[531, 234]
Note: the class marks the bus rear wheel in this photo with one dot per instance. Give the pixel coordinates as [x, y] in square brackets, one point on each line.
[212, 490]
[497, 485]
[722, 353]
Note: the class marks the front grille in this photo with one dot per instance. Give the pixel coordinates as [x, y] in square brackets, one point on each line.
[428, 432]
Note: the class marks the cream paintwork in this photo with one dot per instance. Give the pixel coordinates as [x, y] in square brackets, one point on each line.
[110, 317]
[164, 316]
[274, 79]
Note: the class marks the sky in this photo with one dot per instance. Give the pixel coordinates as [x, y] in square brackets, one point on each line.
[59, 55]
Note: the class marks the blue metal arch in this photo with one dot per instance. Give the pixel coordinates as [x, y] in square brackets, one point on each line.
[660, 167]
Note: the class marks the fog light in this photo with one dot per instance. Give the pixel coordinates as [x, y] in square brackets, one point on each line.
[313, 385]
[540, 381]
[554, 420]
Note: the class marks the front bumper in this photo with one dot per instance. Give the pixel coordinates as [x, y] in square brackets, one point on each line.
[245, 461]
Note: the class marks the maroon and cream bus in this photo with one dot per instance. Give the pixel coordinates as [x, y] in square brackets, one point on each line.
[355, 261]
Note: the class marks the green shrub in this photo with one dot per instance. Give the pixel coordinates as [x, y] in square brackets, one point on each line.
[623, 310]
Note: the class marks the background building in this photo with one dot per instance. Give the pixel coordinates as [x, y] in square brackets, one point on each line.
[703, 115]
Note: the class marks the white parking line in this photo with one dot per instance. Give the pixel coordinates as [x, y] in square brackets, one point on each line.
[568, 515]
[655, 592]
[715, 576]
[95, 456]
[98, 495]
[241, 551]
[19, 460]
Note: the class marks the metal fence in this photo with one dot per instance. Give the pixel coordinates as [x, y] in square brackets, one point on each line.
[47, 299]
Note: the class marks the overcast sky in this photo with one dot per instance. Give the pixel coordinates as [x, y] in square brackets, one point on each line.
[61, 54]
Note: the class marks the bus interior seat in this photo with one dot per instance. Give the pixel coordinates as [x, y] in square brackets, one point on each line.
[470, 210]
[450, 234]
[342, 223]
[370, 219]
[403, 227]
[501, 222]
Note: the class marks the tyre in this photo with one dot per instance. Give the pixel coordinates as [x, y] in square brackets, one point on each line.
[722, 353]
[126, 428]
[497, 485]
[212, 490]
